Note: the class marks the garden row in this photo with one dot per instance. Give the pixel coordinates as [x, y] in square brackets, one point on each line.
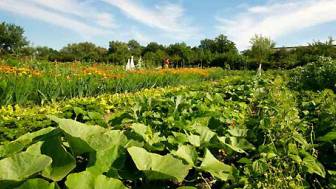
[240, 132]
[40, 82]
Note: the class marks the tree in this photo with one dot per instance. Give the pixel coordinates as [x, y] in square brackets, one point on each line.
[283, 58]
[135, 48]
[84, 51]
[220, 52]
[118, 52]
[26, 52]
[207, 57]
[326, 48]
[153, 47]
[154, 54]
[261, 48]
[315, 50]
[224, 45]
[46, 53]
[180, 53]
[208, 44]
[149, 58]
[11, 38]
[221, 44]
[160, 56]
[152, 59]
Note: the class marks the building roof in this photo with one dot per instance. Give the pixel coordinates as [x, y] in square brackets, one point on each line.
[293, 47]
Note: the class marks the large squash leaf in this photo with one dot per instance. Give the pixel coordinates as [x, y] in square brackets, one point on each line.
[37, 184]
[62, 161]
[153, 139]
[87, 180]
[22, 165]
[204, 132]
[22, 142]
[186, 152]
[157, 167]
[84, 138]
[215, 167]
[236, 144]
[103, 160]
[238, 132]
[195, 140]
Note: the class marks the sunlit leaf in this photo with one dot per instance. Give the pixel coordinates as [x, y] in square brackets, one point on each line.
[187, 152]
[37, 183]
[22, 165]
[22, 142]
[314, 166]
[215, 167]
[87, 180]
[158, 167]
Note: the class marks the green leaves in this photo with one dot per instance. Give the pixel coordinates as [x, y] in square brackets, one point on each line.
[104, 143]
[237, 132]
[259, 166]
[104, 159]
[217, 136]
[331, 136]
[205, 134]
[157, 167]
[23, 141]
[22, 165]
[86, 138]
[187, 153]
[87, 180]
[153, 139]
[37, 184]
[215, 167]
[313, 166]
[237, 144]
[62, 161]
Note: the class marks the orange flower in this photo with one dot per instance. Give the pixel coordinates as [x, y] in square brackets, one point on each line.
[19, 71]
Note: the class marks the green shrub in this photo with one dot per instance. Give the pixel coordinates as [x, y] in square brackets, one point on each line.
[318, 75]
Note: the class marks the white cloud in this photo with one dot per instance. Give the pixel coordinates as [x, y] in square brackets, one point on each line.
[276, 19]
[65, 6]
[80, 9]
[167, 17]
[69, 14]
[142, 38]
[83, 18]
[106, 20]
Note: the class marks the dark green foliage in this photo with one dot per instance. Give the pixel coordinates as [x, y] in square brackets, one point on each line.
[313, 51]
[220, 52]
[318, 75]
[291, 57]
[134, 48]
[11, 38]
[118, 52]
[86, 52]
[319, 110]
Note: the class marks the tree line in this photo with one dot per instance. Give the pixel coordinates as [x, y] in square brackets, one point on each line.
[219, 52]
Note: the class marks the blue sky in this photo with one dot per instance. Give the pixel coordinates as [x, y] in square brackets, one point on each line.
[55, 23]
